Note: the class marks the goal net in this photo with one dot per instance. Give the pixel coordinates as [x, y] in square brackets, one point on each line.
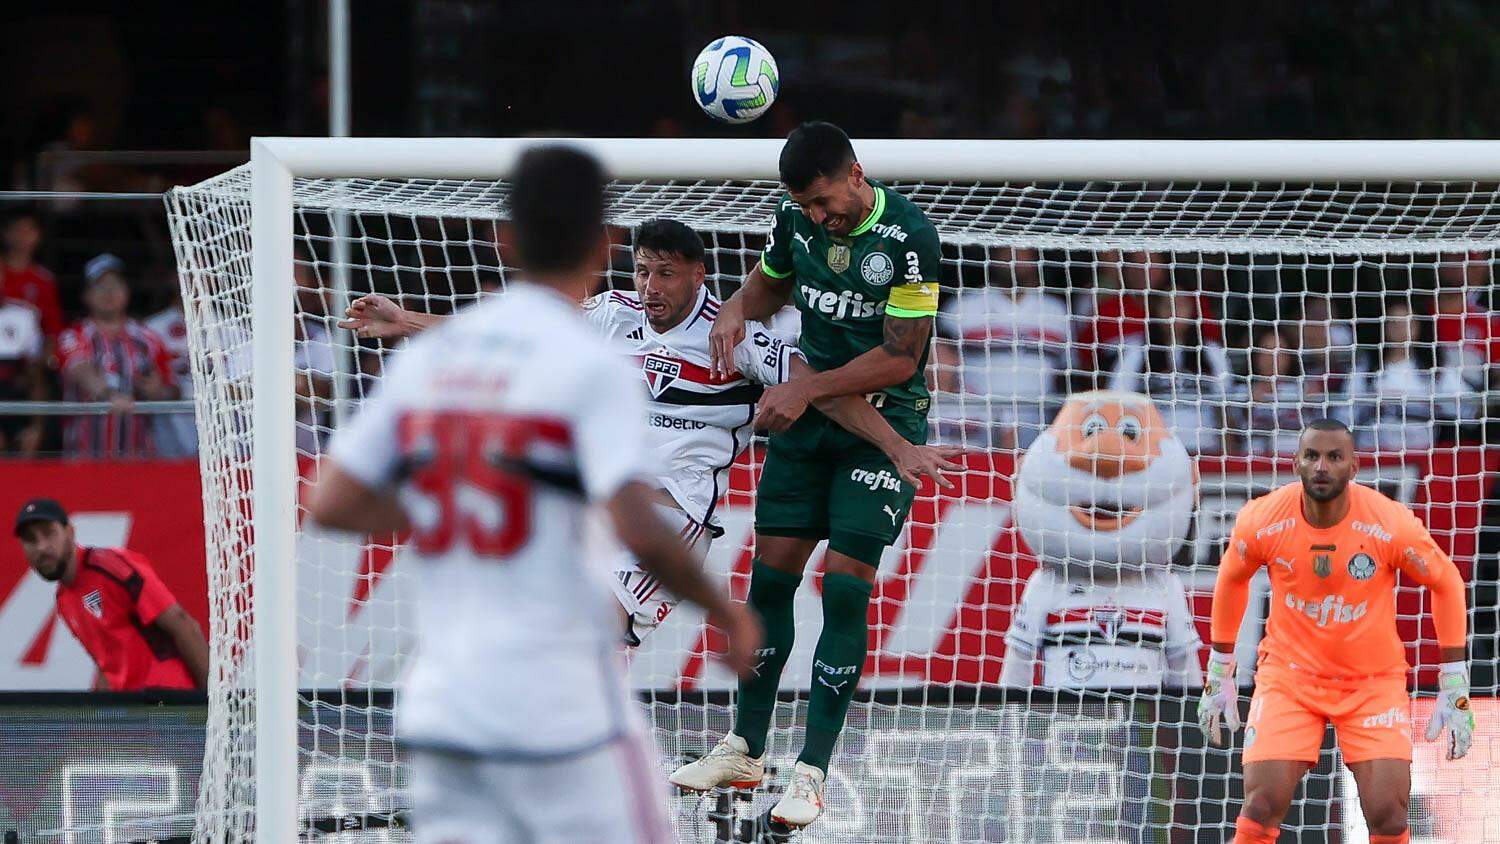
[1035, 647]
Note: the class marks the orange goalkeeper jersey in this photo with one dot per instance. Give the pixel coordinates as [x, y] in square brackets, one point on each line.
[1333, 603]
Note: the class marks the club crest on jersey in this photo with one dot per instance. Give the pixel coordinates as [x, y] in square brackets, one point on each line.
[877, 268]
[1361, 567]
[1108, 619]
[94, 603]
[1322, 565]
[660, 373]
[838, 257]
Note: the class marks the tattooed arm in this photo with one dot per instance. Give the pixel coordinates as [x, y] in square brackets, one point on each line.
[894, 361]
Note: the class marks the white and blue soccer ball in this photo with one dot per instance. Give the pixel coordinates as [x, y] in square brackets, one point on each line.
[735, 80]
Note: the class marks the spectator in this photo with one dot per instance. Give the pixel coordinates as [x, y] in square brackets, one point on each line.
[1467, 334]
[1002, 355]
[1185, 374]
[21, 374]
[1325, 349]
[21, 277]
[1273, 395]
[139, 636]
[1403, 395]
[107, 356]
[312, 355]
[175, 434]
[1116, 313]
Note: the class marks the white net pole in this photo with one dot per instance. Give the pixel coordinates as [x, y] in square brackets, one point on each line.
[274, 471]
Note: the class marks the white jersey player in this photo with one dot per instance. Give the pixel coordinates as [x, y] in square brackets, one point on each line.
[489, 440]
[697, 423]
[1135, 631]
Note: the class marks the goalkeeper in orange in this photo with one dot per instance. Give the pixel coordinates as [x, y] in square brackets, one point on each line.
[1331, 652]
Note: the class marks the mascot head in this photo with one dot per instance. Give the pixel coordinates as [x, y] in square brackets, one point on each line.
[1106, 487]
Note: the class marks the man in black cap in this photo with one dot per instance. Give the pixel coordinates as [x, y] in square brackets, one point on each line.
[139, 636]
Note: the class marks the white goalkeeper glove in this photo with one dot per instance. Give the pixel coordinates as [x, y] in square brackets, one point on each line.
[1221, 698]
[1452, 710]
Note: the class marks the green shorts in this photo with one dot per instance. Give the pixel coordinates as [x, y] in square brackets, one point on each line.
[822, 482]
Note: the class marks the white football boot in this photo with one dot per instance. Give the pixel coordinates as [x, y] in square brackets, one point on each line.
[803, 801]
[728, 765]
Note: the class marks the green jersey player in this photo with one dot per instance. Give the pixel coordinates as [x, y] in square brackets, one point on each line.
[861, 263]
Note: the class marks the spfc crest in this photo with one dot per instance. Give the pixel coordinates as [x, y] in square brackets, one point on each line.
[838, 257]
[1322, 564]
[660, 373]
[94, 603]
[1108, 619]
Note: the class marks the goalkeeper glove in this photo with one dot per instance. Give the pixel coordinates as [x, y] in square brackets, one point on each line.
[1221, 698]
[1452, 710]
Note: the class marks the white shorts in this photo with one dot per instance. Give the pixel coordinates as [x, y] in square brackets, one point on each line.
[613, 794]
[645, 602]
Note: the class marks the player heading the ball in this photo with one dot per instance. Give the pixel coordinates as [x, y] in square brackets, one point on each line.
[1331, 653]
[862, 265]
[489, 440]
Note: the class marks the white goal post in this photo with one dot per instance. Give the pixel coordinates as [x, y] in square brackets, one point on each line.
[1232, 199]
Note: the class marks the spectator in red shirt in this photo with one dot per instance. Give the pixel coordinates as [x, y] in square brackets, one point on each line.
[1467, 334]
[1119, 306]
[108, 356]
[139, 636]
[21, 277]
[21, 374]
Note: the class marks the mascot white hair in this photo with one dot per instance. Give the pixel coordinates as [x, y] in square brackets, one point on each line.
[1104, 498]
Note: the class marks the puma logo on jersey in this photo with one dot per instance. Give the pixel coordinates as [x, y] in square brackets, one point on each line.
[804, 240]
[894, 514]
[893, 231]
[840, 305]
[1286, 563]
[876, 480]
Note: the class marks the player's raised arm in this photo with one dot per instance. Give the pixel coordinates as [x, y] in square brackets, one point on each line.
[1420, 558]
[376, 317]
[1220, 701]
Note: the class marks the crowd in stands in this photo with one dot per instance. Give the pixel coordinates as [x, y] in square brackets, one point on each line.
[1406, 365]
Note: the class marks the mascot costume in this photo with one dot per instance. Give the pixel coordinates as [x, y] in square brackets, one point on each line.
[1104, 498]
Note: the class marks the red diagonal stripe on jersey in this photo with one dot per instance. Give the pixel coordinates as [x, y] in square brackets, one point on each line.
[695, 373]
[1128, 615]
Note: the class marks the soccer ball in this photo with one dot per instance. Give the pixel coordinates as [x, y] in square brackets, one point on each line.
[734, 79]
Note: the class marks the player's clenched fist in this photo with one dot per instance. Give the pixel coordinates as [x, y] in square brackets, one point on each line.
[1220, 701]
[1453, 711]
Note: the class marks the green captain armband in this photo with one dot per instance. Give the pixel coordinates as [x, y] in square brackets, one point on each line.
[766, 268]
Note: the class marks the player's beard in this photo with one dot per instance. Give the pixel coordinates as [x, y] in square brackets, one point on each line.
[1335, 488]
[53, 573]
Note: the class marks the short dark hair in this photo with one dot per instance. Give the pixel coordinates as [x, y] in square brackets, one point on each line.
[556, 207]
[670, 237]
[814, 149]
[1326, 423]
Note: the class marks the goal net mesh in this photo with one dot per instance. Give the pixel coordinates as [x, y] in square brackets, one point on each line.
[1241, 310]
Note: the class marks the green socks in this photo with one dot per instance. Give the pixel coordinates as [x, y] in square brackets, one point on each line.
[772, 593]
[837, 664]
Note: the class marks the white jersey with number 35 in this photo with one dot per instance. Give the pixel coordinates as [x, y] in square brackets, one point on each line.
[497, 430]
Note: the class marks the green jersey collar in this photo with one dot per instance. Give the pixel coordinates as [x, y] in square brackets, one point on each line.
[874, 212]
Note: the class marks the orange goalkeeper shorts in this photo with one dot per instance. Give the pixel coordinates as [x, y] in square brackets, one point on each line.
[1287, 716]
